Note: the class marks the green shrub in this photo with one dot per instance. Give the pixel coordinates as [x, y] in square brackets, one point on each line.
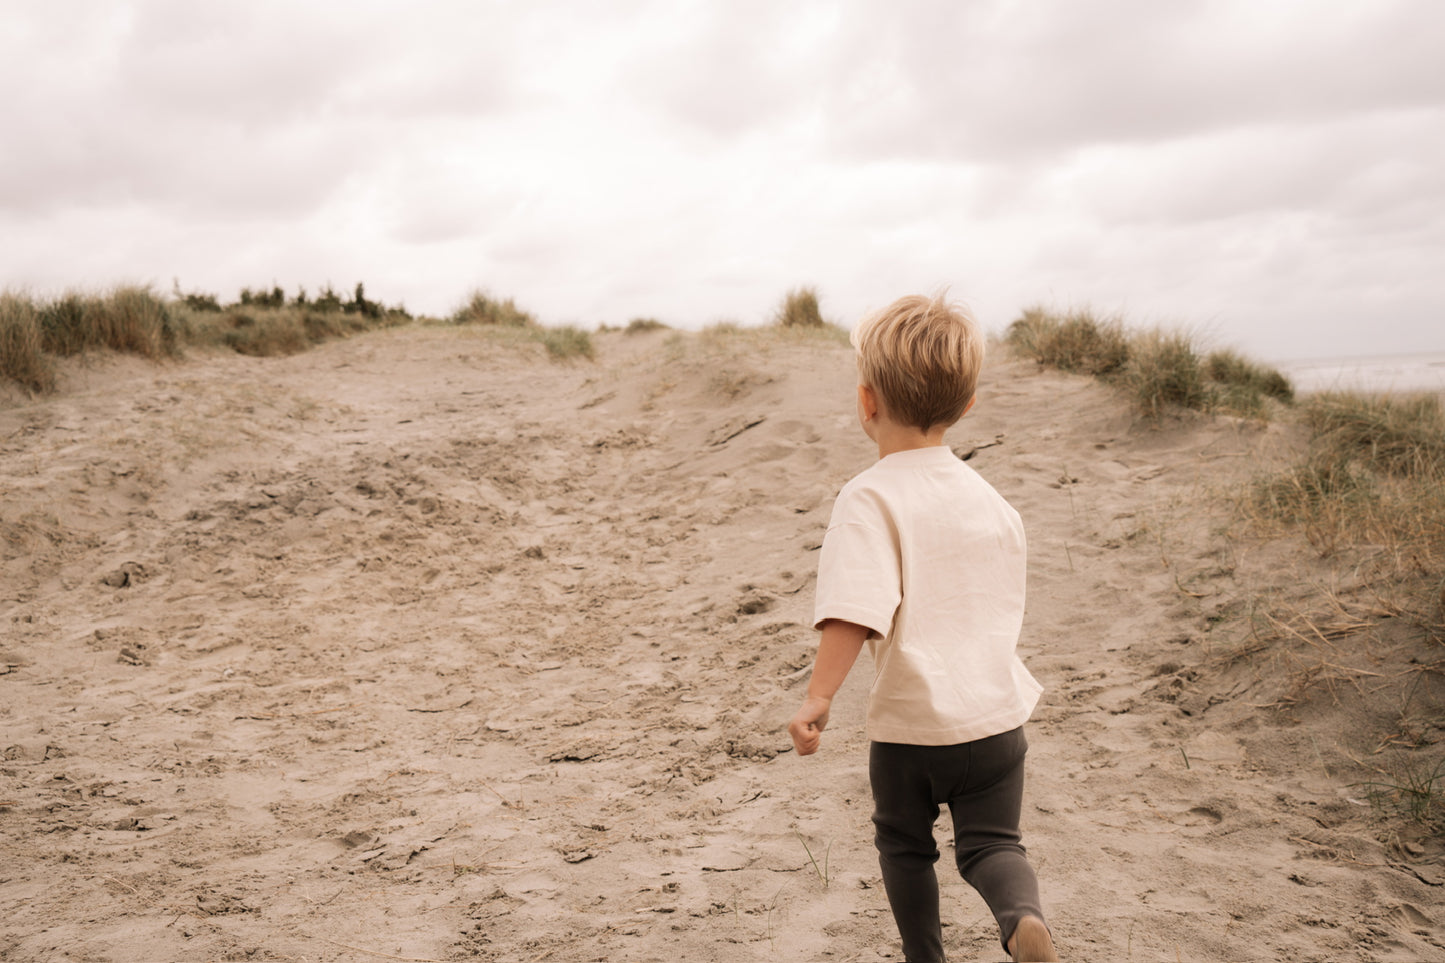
[359, 305]
[64, 327]
[260, 298]
[22, 359]
[799, 310]
[265, 333]
[201, 302]
[327, 300]
[640, 325]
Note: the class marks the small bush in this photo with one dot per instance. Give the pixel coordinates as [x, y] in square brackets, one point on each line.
[64, 327]
[21, 350]
[483, 309]
[260, 298]
[641, 325]
[265, 333]
[799, 310]
[201, 302]
[359, 305]
[327, 300]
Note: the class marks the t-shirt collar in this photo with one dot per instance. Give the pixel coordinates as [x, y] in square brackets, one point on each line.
[917, 457]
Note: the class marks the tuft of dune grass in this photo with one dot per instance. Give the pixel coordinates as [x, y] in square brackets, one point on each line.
[1401, 436]
[22, 358]
[134, 319]
[1373, 476]
[799, 309]
[482, 308]
[1159, 370]
[1163, 371]
[128, 319]
[565, 341]
[1230, 368]
[1076, 341]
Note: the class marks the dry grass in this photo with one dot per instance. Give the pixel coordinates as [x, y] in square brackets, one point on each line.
[1160, 371]
[266, 332]
[1076, 341]
[1373, 477]
[128, 319]
[799, 310]
[482, 308]
[563, 342]
[1164, 372]
[1399, 436]
[22, 359]
[1230, 368]
[566, 341]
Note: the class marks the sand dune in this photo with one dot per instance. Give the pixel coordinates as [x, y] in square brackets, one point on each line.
[419, 647]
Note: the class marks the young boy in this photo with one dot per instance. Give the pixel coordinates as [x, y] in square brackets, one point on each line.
[925, 562]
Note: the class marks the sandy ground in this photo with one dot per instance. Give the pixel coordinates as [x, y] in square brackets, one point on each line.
[421, 647]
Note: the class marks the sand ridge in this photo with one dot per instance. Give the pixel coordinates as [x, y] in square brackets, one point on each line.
[420, 647]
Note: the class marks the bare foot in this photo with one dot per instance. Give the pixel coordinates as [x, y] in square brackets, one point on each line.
[1031, 941]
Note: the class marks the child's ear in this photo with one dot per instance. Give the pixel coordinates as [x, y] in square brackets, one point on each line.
[867, 402]
[969, 407]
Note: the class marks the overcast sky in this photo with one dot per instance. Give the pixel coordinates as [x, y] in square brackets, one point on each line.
[1270, 174]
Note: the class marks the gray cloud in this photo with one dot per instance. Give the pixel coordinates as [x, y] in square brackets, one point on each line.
[1263, 169]
[995, 81]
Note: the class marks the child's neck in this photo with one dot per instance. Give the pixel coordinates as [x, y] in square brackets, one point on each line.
[893, 438]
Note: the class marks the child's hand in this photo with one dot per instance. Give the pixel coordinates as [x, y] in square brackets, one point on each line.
[808, 724]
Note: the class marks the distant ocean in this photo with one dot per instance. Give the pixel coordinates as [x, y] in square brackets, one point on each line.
[1399, 373]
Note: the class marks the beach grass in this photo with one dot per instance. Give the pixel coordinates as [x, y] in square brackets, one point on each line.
[1075, 341]
[562, 342]
[566, 341]
[22, 356]
[1159, 371]
[799, 309]
[1372, 478]
[482, 308]
[262, 322]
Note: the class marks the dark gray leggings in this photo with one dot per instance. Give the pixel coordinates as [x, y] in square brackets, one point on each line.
[982, 783]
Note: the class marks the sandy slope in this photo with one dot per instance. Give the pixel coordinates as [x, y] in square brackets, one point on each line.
[419, 647]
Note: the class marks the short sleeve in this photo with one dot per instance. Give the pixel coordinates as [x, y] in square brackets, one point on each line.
[859, 570]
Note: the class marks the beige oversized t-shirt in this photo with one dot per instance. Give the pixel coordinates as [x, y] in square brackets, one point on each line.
[922, 551]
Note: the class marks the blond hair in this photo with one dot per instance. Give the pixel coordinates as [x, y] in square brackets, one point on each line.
[922, 356]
